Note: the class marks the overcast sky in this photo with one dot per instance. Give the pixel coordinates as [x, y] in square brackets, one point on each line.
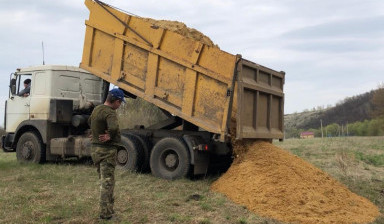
[329, 49]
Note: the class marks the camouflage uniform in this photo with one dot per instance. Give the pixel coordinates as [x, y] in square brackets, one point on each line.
[104, 119]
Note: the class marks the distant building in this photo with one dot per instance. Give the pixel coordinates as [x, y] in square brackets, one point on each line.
[307, 134]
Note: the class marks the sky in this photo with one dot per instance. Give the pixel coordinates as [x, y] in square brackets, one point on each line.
[328, 49]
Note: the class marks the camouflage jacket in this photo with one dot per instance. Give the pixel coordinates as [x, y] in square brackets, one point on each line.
[104, 119]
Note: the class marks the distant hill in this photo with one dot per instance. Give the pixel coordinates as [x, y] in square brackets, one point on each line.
[351, 109]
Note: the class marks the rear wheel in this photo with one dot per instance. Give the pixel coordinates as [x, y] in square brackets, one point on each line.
[170, 159]
[130, 156]
[145, 143]
[30, 148]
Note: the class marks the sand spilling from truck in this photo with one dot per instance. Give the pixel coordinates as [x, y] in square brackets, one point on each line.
[182, 29]
[274, 183]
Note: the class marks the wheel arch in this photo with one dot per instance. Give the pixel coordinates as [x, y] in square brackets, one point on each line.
[35, 126]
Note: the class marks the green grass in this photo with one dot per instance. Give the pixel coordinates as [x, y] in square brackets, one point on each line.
[375, 160]
[67, 192]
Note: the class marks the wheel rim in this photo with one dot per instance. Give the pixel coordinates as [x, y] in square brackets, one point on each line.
[27, 150]
[170, 160]
[122, 156]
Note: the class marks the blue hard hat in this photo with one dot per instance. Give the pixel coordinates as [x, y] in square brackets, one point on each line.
[118, 93]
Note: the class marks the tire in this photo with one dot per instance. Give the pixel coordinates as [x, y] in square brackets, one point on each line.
[130, 157]
[30, 148]
[145, 143]
[170, 159]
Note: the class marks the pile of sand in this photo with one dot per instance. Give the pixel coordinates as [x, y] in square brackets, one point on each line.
[274, 183]
[182, 29]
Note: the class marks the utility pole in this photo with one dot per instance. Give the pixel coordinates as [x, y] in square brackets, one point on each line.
[321, 125]
[42, 46]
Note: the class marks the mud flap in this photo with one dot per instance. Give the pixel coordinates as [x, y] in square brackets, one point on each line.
[199, 158]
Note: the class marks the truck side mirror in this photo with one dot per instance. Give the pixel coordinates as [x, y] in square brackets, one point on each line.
[13, 86]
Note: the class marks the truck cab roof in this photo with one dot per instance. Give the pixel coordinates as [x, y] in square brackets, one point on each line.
[51, 67]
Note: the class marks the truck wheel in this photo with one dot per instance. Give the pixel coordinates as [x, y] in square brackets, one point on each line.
[145, 143]
[30, 148]
[170, 159]
[130, 157]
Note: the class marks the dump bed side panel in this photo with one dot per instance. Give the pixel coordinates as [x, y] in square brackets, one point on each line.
[259, 102]
[179, 74]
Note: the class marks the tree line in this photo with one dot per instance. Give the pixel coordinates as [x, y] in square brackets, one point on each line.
[369, 107]
[373, 127]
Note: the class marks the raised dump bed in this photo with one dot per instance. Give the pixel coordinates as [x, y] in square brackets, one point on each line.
[184, 74]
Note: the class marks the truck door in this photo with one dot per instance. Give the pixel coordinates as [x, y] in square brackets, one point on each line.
[17, 109]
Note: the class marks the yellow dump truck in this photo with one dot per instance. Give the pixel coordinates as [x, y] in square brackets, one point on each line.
[211, 97]
[210, 93]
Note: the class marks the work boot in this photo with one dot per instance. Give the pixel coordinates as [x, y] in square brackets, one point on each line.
[111, 218]
[105, 217]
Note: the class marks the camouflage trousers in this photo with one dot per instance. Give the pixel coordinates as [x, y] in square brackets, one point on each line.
[104, 159]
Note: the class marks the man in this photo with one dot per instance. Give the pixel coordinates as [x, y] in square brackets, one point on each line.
[105, 140]
[27, 88]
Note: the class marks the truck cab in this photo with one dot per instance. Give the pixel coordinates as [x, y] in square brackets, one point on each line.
[59, 96]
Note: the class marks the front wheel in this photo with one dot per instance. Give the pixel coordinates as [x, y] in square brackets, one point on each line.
[170, 159]
[30, 148]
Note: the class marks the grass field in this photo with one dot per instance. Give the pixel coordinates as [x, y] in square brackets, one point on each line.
[67, 192]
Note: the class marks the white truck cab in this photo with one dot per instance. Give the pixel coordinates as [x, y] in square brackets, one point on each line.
[57, 106]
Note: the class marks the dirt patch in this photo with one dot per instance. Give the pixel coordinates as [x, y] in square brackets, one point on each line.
[274, 183]
[182, 29]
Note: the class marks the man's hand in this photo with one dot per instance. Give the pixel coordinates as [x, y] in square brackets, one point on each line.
[104, 137]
